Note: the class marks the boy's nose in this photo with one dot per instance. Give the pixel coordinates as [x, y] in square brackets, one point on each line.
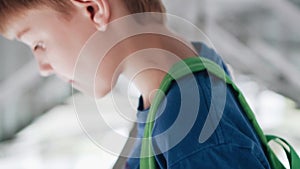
[45, 69]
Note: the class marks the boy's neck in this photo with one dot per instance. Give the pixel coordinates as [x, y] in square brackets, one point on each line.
[148, 58]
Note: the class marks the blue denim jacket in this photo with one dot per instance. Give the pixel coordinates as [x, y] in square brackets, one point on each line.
[233, 144]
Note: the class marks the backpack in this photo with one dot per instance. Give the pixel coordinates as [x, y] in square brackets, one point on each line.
[197, 64]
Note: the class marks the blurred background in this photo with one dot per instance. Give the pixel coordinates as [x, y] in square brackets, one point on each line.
[259, 39]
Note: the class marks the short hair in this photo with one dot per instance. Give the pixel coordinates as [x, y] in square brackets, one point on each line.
[138, 6]
[15, 8]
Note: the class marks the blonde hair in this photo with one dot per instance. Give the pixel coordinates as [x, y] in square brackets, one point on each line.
[15, 8]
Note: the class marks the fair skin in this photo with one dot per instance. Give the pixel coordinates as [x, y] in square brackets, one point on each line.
[56, 49]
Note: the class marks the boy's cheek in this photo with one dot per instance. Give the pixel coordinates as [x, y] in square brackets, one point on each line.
[62, 59]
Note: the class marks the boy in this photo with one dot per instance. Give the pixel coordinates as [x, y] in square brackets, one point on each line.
[56, 31]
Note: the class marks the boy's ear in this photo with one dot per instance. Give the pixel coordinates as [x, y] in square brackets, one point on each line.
[97, 10]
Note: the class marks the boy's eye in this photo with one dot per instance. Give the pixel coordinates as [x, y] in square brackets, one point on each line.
[39, 45]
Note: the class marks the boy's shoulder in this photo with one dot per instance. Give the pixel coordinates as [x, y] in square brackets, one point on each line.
[184, 111]
[191, 93]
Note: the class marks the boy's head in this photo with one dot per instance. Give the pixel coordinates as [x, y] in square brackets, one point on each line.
[11, 9]
[56, 30]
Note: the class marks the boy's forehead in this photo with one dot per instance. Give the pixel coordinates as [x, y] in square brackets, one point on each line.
[12, 27]
[17, 25]
[16, 20]
[10, 32]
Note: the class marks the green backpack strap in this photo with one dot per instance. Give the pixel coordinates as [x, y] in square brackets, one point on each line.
[291, 154]
[197, 64]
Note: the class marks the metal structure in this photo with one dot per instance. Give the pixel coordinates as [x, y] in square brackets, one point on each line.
[258, 38]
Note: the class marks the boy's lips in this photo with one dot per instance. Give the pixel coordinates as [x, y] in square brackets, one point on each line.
[71, 81]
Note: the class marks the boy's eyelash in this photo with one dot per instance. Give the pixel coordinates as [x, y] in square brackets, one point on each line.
[35, 48]
[39, 45]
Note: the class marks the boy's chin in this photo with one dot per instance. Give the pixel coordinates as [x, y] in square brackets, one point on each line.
[95, 93]
[99, 94]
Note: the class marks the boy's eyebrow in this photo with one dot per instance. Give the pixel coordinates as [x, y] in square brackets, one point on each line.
[22, 32]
